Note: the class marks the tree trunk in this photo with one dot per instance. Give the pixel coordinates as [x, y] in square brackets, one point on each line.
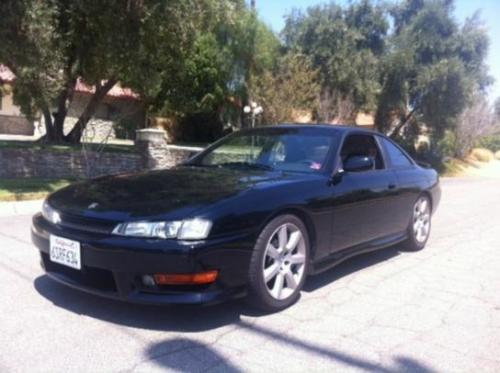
[50, 135]
[402, 123]
[62, 109]
[75, 134]
[49, 129]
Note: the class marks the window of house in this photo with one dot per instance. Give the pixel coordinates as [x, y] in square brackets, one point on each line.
[396, 156]
[362, 145]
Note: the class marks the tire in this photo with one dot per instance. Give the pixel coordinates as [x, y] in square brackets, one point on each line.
[279, 264]
[419, 228]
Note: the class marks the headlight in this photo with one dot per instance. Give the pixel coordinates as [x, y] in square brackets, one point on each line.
[50, 214]
[195, 229]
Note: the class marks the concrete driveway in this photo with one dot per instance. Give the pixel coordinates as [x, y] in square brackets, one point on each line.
[435, 310]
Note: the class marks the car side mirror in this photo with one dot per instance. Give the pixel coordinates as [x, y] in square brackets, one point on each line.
[357, 163]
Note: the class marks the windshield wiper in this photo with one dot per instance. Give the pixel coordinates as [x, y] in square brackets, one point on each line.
[200, 165]
[257, 166]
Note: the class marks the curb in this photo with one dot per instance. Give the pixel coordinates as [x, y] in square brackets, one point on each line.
[20, 208]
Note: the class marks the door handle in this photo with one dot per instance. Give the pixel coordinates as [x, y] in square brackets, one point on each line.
[392, 186]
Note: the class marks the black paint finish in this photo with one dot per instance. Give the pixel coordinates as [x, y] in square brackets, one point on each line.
[345, 212]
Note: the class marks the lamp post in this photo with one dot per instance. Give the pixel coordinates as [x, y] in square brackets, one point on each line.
[254, 110]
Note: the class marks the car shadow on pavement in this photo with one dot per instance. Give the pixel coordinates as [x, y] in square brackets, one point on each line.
[187, 355]
[185, 318]
[350, 266]
[190, 355]
[192, 318]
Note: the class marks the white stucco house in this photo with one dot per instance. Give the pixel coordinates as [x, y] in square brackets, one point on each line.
[119, 107]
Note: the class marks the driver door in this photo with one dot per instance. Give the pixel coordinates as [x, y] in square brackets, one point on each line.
[362, 209]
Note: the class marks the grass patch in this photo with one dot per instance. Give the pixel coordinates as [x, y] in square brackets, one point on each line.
[29, 189]
[192, 144]
[454, 167]
[108, 148]
[482, 155]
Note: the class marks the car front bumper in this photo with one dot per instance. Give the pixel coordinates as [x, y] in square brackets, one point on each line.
[113, 266]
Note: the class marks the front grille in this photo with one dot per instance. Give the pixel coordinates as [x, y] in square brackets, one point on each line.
[90, 277]
[84, 224]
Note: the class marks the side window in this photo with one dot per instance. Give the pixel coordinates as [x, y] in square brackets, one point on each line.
[364, 145]
[396, 156]
[278, 152]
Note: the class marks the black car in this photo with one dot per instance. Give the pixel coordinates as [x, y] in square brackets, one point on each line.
[254, 214]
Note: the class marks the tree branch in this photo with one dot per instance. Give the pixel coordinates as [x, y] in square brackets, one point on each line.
[403, 122]
[101, 91]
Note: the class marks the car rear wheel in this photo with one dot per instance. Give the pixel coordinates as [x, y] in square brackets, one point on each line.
[279, 264]
[419, 228]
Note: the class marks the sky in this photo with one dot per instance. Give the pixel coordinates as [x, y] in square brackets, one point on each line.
[273, 11]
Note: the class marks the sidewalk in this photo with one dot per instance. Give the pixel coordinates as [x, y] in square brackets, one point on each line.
[20, 208]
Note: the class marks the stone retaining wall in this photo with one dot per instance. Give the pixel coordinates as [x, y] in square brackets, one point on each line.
[156, 154]
[23, 163]
[151, 153]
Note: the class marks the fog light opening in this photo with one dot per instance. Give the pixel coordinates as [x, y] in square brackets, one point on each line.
[148, 280]
[201, 278]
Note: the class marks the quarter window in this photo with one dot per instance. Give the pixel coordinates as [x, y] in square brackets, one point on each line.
[396, 156]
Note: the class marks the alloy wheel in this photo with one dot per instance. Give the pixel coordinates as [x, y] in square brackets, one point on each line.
[421, 219]
[284, 261]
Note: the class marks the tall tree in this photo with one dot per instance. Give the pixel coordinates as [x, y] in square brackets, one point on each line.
[432, 69]
[50, 44]
[345, 44]
[218, 68]
[496, 109]
[290, 88]
[475, 122]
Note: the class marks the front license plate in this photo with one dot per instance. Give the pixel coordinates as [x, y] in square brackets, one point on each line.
[65, 252]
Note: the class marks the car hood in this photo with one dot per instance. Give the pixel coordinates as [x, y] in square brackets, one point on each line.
[177, 192]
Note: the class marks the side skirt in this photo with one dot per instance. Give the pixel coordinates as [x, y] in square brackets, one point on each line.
[338, 257]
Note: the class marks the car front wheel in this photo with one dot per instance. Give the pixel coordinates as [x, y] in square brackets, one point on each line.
[279, 264]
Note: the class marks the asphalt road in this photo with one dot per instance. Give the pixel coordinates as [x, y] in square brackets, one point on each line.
[435, 310]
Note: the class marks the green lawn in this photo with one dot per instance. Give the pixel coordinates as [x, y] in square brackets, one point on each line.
[29, 189]
[16, 144]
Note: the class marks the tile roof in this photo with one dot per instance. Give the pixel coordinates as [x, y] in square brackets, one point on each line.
[116, 91]
[7, 76]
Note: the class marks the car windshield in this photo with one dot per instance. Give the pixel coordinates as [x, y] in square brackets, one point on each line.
[299, 150]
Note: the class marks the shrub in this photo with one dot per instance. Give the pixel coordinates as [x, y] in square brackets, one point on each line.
[431, 154]
[482, 155]
[491, 142]
[447, 146]
[125, 128]
[199, 128]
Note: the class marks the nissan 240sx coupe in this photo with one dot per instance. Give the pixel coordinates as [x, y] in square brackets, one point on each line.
[254, 214]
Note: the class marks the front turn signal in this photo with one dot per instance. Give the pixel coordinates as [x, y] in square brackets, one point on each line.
[201, 278]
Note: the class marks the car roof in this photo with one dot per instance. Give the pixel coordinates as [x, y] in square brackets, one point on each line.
[335, 128]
